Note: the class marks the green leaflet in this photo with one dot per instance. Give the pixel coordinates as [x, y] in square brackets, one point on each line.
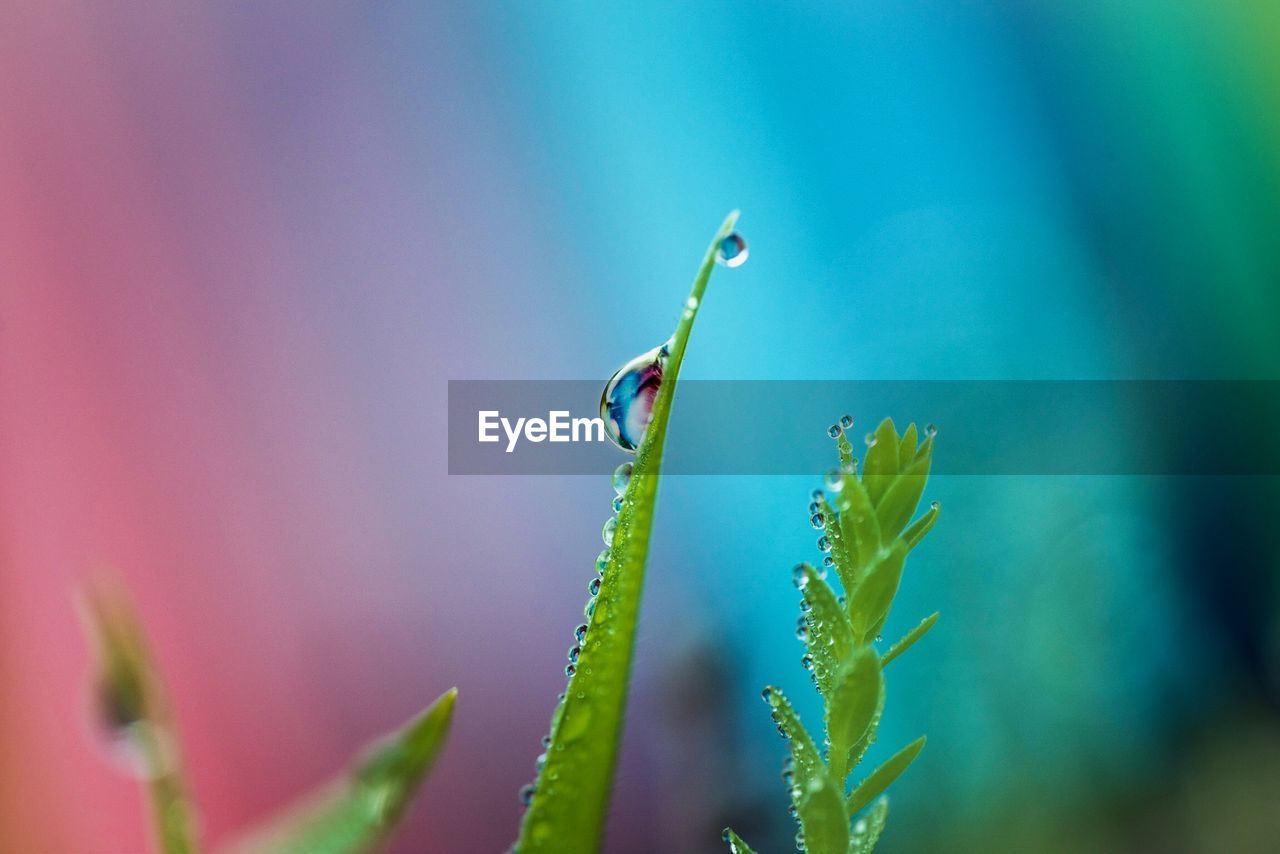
[806, 761]
[822, 817]
[909, 638]
[852, 705]
[882, 460]
[845, 566]
[915, 533]
[859, 525]
[736, 845]
[572, 794]
[903, 494]
[869, 604]
[829, 637]
[869, 789]
[357, 812]
[866, 833]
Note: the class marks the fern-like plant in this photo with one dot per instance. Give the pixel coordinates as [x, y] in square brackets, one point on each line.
[866, 535]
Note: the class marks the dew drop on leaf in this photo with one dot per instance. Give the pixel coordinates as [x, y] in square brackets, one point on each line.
[622, 477]
[732, 251]
[606, 533]
[626, 405]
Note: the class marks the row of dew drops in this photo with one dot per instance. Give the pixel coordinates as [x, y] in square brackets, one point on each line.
[628, 398]
[833, 481]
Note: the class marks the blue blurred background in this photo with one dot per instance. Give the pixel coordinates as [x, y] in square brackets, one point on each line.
[245, 246]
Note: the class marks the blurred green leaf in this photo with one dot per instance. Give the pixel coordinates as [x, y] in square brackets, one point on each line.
[852, 705]
[806, 761]
[572, 791]
[357, 812]
[866, 832]
[822, 817]
[882, 461]
[870, 602]
[736, 845]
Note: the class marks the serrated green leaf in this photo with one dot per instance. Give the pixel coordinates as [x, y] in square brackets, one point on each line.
[822, 817]
[878, 780]
[829, 637]
[915, 533]
[881, 461]
[853, 704]
[357, 812]
[907, 640]
[870, 601]
[806, 761]
[907, 447]
[860, 529]
[867, 830]
[736, 845]
[568, 811]
[134, 712]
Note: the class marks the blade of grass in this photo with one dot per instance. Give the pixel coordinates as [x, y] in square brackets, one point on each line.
[357, 812]
[135, 712]
[573, 787]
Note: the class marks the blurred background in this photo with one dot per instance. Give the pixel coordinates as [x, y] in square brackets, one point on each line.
[243, 247]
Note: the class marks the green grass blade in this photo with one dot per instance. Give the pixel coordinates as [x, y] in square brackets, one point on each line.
[735, 843]
[907, 640]
[358, 812]
[870, 789]
[573, 788]
[135, 713]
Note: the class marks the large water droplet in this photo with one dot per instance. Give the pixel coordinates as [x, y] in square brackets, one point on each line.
[606, 533]
[732, 251]
[626, 406]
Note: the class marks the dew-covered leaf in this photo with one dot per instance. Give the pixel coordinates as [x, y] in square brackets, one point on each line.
[358, 811]
[822, 817]
[846, 568]
[907, 640]
[867, 830]
[878, 780]
[829, 637]
[735, 843]
[870, 601]
[568, 810]
[860, 529]
[854, 701]
[806, 761]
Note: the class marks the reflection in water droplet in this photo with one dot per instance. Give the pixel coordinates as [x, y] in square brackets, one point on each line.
[833, 480]
[846, 421]
[824, 545]
[834, 431]
[817, 495]
[622, 477]
[602, 561]
[814, 507]
[732, 251]
[816, 521]
[617, 504]
[606, 533]
[594, 587]
[570, 669]
[574, 652]
[931, 430]
[580, 633]
[798, 576]
[626, 405]
[526, 793]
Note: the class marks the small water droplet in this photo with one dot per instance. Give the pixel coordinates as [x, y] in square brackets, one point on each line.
[626, 404]
[934, 505]
[617, 504]
[594, 587]
[846, 421]
[526, 793]
[814, 507]
[602, 561]
[833, 480]
[580, 633]
[691, 303]
[589, 609]
[622, 477]
[798, 576]
[870, 439]
[822, 570]
[834, 431]
[816, 521]
[879, 638]
[807, 662]
[732, 251]
[824, 545]
[546, 740]
[817, 495]
[931, 430]
[574, 652]
[828, 562]
[607, 532]
[805, 606]
[767, 694]
[540, 762]
[570, 669]
[802, 629]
